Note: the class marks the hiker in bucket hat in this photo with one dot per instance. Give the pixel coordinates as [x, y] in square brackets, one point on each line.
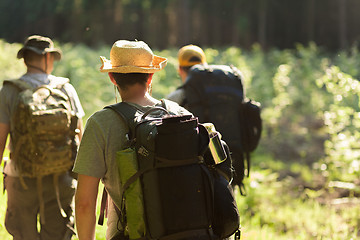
[131, 68]
[29, 196]
[39, 45]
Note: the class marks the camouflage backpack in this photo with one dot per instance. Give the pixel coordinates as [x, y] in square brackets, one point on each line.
[43, 129]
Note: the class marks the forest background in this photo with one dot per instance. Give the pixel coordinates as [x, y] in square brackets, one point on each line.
[173, 23]
[300, 60]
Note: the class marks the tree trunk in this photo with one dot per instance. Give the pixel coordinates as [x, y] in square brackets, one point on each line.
[173, 22]
[77, 12]
[183, 22]
[342, 24]
[236, 29]
[310, 20]
[262, 23]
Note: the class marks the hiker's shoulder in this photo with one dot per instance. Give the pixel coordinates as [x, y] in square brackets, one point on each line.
[175, 107]
[58, 81]
[177, 96]
[105, 117]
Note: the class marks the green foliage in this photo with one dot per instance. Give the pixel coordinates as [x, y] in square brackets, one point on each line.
[278, 207]
[311, 118]
[166, 81]
[3, 234]
[342, 120]
[81, 65]
[10, 66]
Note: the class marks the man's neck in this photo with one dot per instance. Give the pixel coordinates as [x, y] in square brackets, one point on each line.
[141, 98]
[35, 69]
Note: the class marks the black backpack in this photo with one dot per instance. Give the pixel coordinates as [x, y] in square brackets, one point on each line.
[215, 93]
[175, 191]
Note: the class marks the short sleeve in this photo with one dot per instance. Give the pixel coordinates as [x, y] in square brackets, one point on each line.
[90, 159]
[8, 99]
[70, 90]
[177, 96]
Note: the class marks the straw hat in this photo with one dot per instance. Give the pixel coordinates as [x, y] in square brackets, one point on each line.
[191, 55]
[132, 57]
[39, 45]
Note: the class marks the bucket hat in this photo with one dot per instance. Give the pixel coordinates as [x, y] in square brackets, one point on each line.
[132, 57]
[190, 55]
[39, 45]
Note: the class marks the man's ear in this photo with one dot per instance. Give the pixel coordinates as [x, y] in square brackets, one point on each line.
[149, 79]
[182, 74]
[112, 78]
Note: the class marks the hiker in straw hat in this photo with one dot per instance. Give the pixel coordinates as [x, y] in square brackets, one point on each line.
[131, 68]
[30, 196]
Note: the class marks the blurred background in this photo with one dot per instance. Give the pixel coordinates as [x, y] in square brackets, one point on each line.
[173, 23]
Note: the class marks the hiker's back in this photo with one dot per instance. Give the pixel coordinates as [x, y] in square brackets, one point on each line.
[42, 115]
[168, 188]
[214, 93]
[43, 129]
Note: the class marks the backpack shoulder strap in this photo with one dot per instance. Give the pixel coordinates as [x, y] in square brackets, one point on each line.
[123, 109]
[174, 108]
[19, 84]
[128, 113]
[171, 106]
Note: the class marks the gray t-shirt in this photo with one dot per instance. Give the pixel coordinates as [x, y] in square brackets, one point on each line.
[177, 96]
[104, 135]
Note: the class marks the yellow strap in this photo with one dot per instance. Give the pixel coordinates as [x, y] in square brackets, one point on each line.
[41, 199]
[56, 185]
[23, 182]
[103, 208]
[14, 157]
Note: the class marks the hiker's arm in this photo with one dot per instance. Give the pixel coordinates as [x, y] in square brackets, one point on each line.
[80, 126]
[4, 131]
[85, 206]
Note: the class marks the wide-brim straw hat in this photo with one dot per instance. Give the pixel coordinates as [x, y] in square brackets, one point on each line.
[132, 57]
[39, 45]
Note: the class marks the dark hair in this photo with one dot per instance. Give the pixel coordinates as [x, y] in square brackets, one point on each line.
[128, 79]
[193, 59]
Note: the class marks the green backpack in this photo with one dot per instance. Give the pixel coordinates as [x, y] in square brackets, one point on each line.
[43, 129]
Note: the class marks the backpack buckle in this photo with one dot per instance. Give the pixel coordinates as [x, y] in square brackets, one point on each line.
[143, 151]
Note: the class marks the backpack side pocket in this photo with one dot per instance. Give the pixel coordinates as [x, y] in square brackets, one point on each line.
[132, 202]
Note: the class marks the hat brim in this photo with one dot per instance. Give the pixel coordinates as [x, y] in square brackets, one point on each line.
[57, 53]
[158, 64]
